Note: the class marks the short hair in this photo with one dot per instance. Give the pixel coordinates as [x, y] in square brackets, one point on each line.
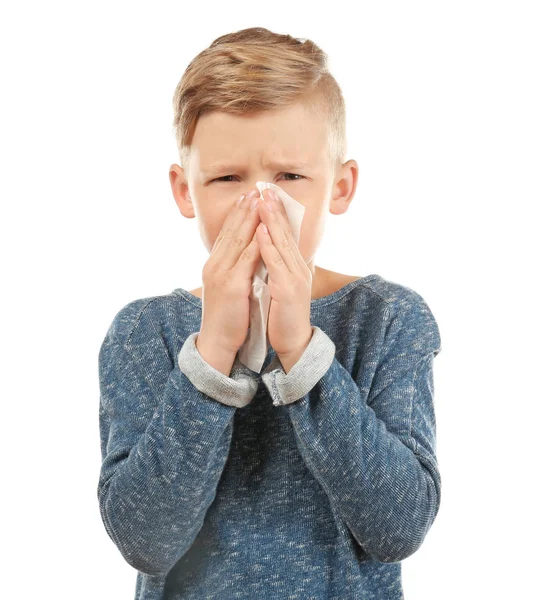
[253, 70]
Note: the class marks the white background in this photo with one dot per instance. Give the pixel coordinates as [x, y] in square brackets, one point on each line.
[448, 116]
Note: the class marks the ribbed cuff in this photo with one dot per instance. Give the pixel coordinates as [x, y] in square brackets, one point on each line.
[236, 390]
[306, 372]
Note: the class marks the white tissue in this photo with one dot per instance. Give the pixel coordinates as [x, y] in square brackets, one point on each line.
[255, 348]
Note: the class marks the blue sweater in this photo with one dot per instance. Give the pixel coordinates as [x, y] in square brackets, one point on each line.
[309, 485]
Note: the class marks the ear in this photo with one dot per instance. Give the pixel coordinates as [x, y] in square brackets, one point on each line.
[344, 188]
[180, 191]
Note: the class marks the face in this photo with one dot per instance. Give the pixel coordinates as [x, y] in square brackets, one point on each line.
[287, 147]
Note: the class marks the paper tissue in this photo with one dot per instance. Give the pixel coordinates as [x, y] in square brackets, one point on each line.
[255, 348]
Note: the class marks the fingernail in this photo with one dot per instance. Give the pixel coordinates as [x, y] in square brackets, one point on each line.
[272, 196]
[241, 198]
[267, 202]
[254, 203]
[252, 193]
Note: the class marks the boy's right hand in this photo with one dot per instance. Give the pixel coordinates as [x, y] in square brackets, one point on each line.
[227, 279]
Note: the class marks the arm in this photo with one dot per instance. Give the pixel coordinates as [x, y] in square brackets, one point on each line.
[164, 442]
[372, 448]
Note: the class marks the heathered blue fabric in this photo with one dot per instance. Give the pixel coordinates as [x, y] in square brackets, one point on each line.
[319, 498]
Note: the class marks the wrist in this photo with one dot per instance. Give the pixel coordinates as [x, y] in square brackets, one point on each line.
[220, 359]
[290, 359]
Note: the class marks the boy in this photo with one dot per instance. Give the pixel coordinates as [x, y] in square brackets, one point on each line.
[315, 477]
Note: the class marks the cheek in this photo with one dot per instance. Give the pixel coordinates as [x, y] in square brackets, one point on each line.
[307, 233]
[313, 218]
[311, 232]
[210, 228]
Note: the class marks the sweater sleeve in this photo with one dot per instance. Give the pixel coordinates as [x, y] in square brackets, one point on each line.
[164, 443]
[372, 445]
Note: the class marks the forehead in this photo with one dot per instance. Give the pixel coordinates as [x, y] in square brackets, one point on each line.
[233, 165]
[276, 139]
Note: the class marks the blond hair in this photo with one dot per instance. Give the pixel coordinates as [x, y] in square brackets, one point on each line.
[253, 70]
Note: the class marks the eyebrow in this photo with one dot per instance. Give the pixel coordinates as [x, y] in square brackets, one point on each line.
[219, 167]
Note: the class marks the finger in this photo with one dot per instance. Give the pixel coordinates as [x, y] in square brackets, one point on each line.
[277, 267]
[248, 260]
[236, 231]
[281, 247]
[229, 221]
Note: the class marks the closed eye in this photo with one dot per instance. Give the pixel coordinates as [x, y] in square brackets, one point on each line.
[294, 174]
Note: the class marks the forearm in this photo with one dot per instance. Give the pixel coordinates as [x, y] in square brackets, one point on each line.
[216, 357]
[154, 493]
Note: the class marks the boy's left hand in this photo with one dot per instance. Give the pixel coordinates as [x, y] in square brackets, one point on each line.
[290, 283]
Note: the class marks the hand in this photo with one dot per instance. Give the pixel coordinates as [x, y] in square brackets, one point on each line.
[227, 279]
[289, 281]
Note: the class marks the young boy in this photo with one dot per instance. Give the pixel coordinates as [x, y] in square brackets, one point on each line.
[314, 478]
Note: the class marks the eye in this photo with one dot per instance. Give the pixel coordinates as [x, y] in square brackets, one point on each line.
[293, 174]
[220, 178]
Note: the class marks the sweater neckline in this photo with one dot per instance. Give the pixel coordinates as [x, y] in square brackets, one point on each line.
[316, 303]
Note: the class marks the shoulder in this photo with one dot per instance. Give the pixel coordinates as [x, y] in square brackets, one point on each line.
[403, 310]
[130, 320]
[395, 296]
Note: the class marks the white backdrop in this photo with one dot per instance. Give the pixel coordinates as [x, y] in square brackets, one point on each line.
[448, 117]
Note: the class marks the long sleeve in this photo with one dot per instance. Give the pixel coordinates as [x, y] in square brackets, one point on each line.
[162, 453]
[372, 444]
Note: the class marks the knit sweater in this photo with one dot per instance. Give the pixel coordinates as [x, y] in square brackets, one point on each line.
[312, 484]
